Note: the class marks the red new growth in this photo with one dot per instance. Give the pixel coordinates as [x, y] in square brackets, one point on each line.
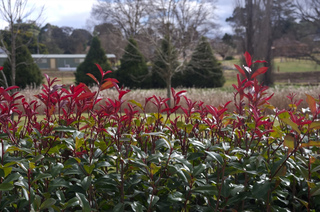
[247, 73]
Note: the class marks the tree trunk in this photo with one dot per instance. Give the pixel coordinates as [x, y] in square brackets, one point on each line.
[267, 77]
[168, 82]
[13, 55]
[249, 27]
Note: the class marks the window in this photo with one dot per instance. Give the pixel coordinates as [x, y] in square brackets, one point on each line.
[78, 60]
[42, 60]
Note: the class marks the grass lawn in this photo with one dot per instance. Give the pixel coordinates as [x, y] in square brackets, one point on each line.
[295, 65]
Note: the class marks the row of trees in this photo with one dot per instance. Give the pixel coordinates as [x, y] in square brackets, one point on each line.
[203, 70]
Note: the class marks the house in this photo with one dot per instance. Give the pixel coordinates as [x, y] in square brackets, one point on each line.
[60, 62]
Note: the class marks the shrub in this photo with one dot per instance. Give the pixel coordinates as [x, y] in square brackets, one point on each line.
[27, 71]
[133, 72]
[192, 158]
[203, 70]
[96, 55]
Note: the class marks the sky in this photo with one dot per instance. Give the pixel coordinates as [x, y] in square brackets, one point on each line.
[75, 13]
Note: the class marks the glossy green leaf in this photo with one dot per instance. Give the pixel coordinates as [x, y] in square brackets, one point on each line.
[198, 169]
[176, 197]
[6, 186]
[47, 203]
[217, 157]
[137, 207]
[206, 189]
[84, 203]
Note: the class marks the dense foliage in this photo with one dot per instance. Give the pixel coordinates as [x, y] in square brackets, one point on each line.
[27, 71]
[133, 72]
[95, 55]
[93, 154]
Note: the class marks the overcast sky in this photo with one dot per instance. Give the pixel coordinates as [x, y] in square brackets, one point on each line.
[75, 13]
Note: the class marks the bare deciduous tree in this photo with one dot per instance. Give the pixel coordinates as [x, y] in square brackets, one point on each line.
[309, 11]
[14, 12]
[181, 22]
[130, 16]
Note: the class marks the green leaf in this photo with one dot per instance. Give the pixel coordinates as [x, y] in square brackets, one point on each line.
[84, 203]
[86, 182]
[47, 203]
[277, 164]
[37, 158]
[12, 177]
[137, 207]
[64, 129]
[315, 191]
[289, 142]
[119, 207]
[41, 176]
[154, 200]
[79, 142]
[56, 169]
[136, 103]
[162, 142]
[217, 157]
[196, 155]
[206, 189]
[315, 124]
[89, 169]
[6, 186]
[198, 169]
[176, 197]
[291, 124]
[6, 171]
[260, 190]
[154, 169]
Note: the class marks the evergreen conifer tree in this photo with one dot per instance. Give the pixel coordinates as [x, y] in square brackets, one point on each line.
[96, 55]
[27, 71]
[203, 69]
[133, 71]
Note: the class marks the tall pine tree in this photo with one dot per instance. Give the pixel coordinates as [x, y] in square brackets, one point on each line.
[133, 71]
[203, 69]
[27, 71]
[95, 55]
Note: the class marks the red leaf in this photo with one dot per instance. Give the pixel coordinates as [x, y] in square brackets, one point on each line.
[106, 85]
[93, 77]
[248, 59]
[1, 68]
[261, 70]
[112, 80]
[260, 61]
[241, 71]
[100, 69]
[312, 104]
[86, 95]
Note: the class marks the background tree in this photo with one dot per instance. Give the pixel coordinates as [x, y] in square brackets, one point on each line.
[133, 71]
[95, 55]
[165, 64]
[129, 16]
[258, 23]
[111, 38]
[309, 13]
[203, 70]
[14, 13]
[180, 23]
[27, 71]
